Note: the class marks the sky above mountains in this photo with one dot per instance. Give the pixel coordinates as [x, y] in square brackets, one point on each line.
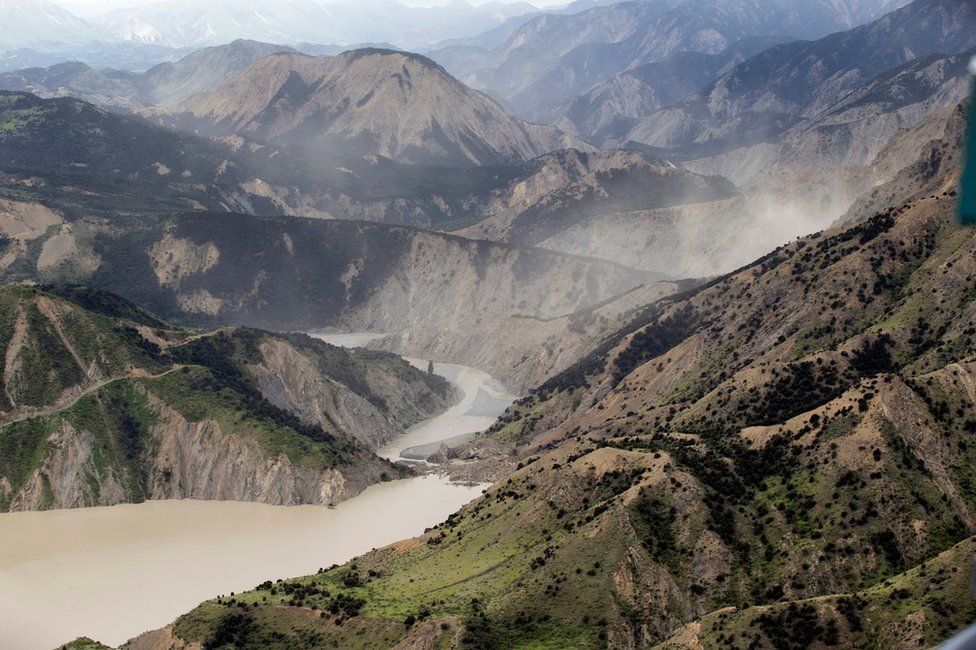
[92, 7]
[57, 25]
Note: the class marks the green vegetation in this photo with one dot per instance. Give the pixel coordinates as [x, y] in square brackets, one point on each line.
[105, 304]
[47, 366]
[84, 644]
[61, 344]
[938, 590]
[202, 393]
[801, 479]
[92, 375]
[22, 447]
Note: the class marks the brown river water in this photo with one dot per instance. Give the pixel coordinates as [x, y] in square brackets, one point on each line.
[112, 573]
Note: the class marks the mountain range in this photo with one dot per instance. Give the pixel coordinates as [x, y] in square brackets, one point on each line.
[777, 458]
[797, 81]
[326, 113]
[554, 58]
[165, 85]
[612, 108]
[43, 24]
[722, 271]
[599, 205]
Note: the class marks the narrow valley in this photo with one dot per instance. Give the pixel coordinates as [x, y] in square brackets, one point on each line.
[147, 563]
[487, 324]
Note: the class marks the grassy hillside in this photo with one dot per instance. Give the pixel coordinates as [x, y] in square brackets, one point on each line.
[917, 608]
[62, 339]
[782, 458]
[105, 403]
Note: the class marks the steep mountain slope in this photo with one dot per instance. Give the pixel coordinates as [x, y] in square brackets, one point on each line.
[853, 131]
[906, 610]
[890, 139]
[612, 108]
[621, 206]
[75, 79]
[64, 134]
[644, 213]
[168, 84]
[395, 104]
[555, 58]
[556, 191]
[782, 458]
[448, 297]
[937, 143]
[88, 152]
[104, 403]
[573, 200]
[94, 161]
[165, 85]
[773, 90]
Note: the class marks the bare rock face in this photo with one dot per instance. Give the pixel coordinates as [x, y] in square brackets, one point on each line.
[62, 479]
[199, 461]
[188, 460]
[482, 449]
[291, 381]
[174, 259]
[441, 456]
[507, 311]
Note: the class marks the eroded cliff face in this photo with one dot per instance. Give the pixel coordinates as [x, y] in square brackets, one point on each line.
[451, 297]
[198, 460]
[292, 381]
[235, 414]
[507, 311]
[67, 476]
[522, 351]
[183, 460]
[289, 381]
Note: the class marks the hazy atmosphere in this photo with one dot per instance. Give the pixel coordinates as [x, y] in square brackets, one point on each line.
[479, 325]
